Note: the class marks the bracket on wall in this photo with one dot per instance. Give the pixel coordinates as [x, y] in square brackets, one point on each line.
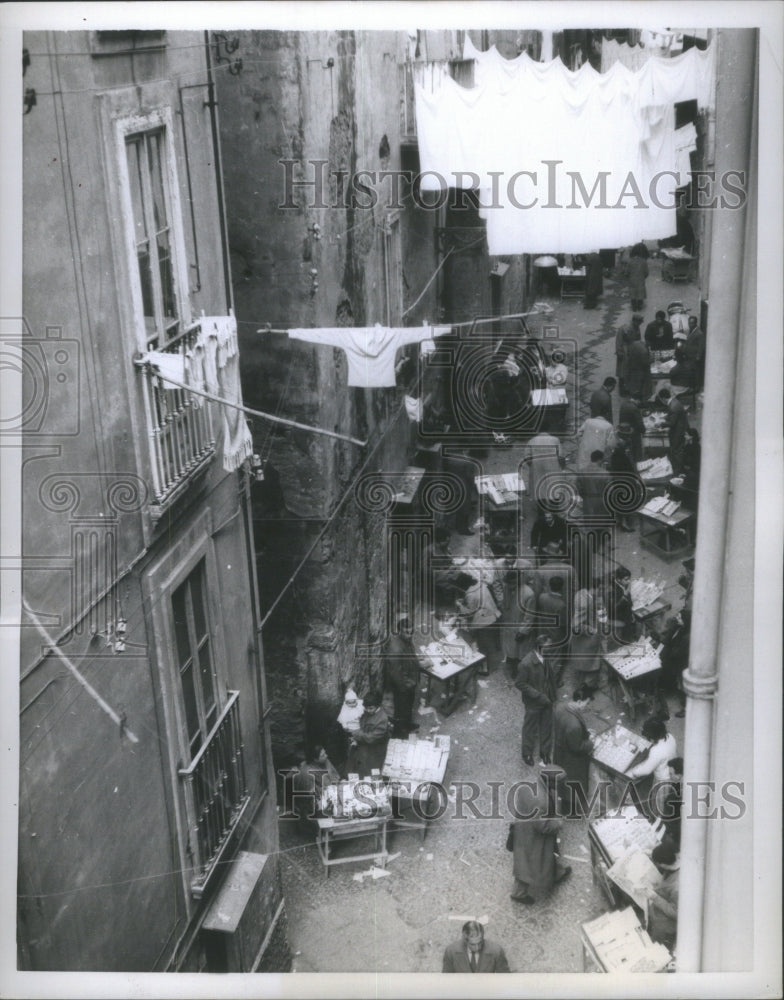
[229, 46]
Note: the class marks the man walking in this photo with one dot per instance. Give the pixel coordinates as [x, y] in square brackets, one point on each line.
[474, 953]
[537, 684]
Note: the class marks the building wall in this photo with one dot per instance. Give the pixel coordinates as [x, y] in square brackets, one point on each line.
[101, 836]
[290, 103]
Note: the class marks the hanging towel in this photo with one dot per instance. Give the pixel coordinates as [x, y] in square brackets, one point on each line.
[221, 364]
[171, 365]
[370, 350]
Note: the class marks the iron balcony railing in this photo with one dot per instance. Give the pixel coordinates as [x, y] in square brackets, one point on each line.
[216, 793]
[179, 425]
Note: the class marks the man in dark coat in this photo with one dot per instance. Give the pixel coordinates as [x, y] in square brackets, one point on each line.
[573, 746]
[622, 469]
[518, 611]
[638, 272]
[592, 485]
[536, 865]
[401, 670]
[658, 334]
[594, 280]
[678, 426]
[549, 536]
[537, 683]
[601, 400]
[629, 413]
[637, 368]
[624, 624]
[368, 746]
[474, 953]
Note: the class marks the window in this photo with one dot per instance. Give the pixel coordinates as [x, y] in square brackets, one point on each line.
[194, 659]
[179, 425]
[152, 236]
[213, 774]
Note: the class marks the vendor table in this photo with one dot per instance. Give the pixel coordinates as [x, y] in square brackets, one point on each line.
[648, 615]
[614, 752]
[415, 770]
[501, 509]
[634, 670]
[616, 942]
[572, 282]
[448, 660]
[610, 836]
[678, 265]
[553, 403]
[663, 534]
[331, 829]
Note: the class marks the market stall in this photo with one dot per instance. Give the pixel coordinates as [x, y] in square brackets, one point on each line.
[633, 671]
[355, 809]
[616, 942]
[415, 769]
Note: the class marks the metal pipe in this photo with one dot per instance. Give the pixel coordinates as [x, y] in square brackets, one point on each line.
[735, 87]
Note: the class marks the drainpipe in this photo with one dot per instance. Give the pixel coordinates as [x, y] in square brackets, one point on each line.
[734, 100]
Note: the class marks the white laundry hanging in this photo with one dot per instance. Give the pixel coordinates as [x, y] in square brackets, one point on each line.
[370, 350]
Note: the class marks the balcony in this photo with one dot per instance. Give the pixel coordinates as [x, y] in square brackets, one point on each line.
[216, 794]
[179, 427]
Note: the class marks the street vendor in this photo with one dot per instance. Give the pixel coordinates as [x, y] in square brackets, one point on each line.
[401, 671]
[368, 746]
[556, 372]
[310, 779]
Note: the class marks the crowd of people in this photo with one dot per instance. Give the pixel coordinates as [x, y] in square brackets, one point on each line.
[546, 613]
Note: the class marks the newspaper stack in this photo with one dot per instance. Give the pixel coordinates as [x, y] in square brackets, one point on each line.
[621, 945]
[621, 834]
[420, 760]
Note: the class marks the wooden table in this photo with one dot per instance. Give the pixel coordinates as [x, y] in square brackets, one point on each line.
[662, 535]
[459, 659]
[617, 772]
[331, 829]
[572, 282]
[637, 688]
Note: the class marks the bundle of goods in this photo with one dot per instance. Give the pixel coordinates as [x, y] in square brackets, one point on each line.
[626, 830]
[356, 798]
[644, 593]
[661, 505]
[621, 945]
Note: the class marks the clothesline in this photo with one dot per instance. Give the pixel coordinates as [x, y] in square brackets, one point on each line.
[141, 362]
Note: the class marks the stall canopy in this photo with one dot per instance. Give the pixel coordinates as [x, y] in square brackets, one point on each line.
[563, 161]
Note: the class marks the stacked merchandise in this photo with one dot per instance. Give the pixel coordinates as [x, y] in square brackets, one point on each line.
[356, 798]
[655, 468]
[621, 945]
[643, 660]
[627, 830]
[502, 488]
[661, 505]
[416, 760]
[617, 747]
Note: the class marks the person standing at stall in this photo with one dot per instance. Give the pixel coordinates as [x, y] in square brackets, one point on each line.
[573, 746]
[480, 613]
[637, 366]
[600, 404]
[585, 646]
[595, 434]
[622, 620]
[536, 863]
[549, 537]
[629, 413]
[542, 455]
[401, 670]
[592, 485]
[518, 612]
[622, 470]
[677, 426]
[658, 334]
[594, 280]
[638, 272]
[537, 684]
